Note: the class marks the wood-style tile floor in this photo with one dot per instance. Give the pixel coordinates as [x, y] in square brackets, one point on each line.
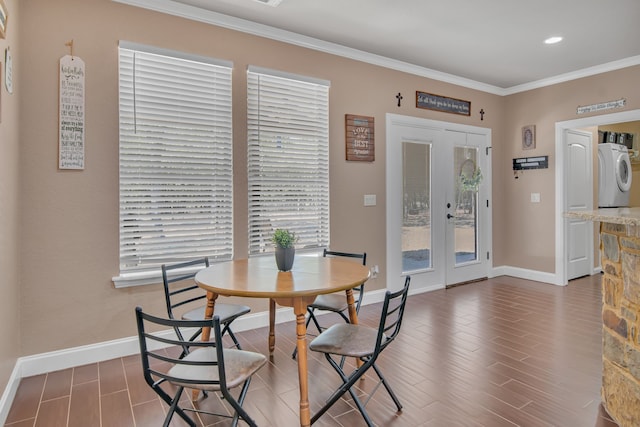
[502, 352]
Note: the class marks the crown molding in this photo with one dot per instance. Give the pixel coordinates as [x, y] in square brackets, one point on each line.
[585, 72]
[225, 21]
[175, 8]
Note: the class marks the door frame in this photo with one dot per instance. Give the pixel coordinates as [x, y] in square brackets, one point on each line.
[560, 179]
[394, 267]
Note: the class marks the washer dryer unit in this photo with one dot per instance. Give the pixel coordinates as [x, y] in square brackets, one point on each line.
[614, 175]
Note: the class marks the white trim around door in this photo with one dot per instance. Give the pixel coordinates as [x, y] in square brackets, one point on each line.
[560, 184]
[432, 144]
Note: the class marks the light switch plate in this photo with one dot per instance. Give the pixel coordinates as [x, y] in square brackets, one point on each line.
[369, 199]
[535, 197]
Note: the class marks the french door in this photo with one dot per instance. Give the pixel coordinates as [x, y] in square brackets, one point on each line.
[438, 213]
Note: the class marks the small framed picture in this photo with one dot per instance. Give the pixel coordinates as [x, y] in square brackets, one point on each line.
[529, 137]
[3, 19]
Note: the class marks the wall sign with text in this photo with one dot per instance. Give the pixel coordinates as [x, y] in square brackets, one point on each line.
[430, 101]
[360, 141]
[71, 139]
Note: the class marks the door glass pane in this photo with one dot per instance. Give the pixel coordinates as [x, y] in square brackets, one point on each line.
[468, 177]
[416, 218]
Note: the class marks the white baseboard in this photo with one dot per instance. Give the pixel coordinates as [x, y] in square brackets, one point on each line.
[10, 393]
[523, 273]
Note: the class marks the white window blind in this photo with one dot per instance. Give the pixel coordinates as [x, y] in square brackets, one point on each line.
[175, 158]
[288, 159]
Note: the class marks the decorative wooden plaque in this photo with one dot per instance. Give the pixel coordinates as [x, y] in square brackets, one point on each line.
[430, 101]
[360, 141]
[71, 139]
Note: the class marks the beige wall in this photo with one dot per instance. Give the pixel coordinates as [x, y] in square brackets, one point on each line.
[531, 225]
[9, 193]
[69, 219]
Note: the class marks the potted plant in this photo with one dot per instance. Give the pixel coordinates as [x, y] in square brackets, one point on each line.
[284, 241]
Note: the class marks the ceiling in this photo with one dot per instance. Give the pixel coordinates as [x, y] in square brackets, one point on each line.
[492, 45]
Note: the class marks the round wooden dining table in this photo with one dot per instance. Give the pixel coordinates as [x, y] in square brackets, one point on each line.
[259, 278]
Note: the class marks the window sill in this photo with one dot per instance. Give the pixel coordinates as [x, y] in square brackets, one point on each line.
[128, 280]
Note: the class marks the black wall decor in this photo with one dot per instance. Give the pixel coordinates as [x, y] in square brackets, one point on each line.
[526, 163]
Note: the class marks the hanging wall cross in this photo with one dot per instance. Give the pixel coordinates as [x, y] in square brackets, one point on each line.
[399, 96]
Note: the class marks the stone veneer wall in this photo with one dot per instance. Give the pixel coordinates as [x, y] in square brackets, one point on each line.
[620, 248]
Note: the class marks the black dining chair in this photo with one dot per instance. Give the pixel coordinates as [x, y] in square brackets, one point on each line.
[335, 302]
[181, 292]
[364, 343]
[203, 365]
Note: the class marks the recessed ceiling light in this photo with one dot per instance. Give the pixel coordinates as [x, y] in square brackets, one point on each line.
[553, 40]
[272, 3]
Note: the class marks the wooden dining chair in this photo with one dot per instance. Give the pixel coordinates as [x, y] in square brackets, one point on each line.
[207, 366]
[181, 292]
[335, 302]
[366, 344]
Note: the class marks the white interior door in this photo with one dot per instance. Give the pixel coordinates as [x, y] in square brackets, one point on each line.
[437, 203]
[579, 191]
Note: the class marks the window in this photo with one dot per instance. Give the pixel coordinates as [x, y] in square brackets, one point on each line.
[175, 160]
[288, 158]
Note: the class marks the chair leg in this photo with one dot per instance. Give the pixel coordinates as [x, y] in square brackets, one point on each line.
[360, 406]
[173, 405]
[227, 330]
[347, 383]
[315, 321]
[356, 399]
[237, 405]
[388, 387]
[344, 316]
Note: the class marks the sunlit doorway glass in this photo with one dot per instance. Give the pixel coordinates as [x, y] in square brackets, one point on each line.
[416, 218]
[468, 178]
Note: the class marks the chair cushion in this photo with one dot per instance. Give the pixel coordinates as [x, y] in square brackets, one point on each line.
[226, 312]
[336, 302]
[238, 366]
[345, 339]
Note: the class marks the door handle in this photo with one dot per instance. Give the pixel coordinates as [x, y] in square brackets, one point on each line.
[449, 216]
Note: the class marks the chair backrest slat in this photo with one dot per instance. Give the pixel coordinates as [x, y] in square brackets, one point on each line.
[188, 301]
[154, 347]
[180, 278]
[392, 314]
[188, 292]
[363, 256]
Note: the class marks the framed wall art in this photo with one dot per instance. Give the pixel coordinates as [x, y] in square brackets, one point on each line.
[360, 139]
[529, 137]
[4, 15]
